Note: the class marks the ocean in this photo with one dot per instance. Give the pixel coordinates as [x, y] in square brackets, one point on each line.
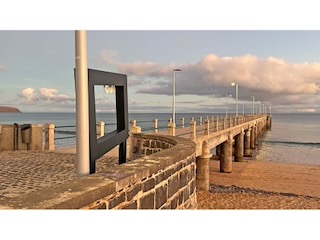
[293, 138]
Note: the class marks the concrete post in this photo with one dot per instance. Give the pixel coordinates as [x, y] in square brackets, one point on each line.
[217, 124]
[182, 122]
[224, 123]
[171, 129]
[193, 127]
[207, 127]
[132, 144]
[253, 138]
[200, 121]
[100, 129]
[238, 151]
[247, 150]
[202, 166]
[230, 122]
[226, 156]
[155, 125]
[49, 137]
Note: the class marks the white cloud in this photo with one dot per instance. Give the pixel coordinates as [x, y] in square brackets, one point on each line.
[267, 79]
[44, 96]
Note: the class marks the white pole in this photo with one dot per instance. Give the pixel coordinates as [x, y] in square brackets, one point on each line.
[252, 105]
[174, 98]
[82, 108]
[237, 99]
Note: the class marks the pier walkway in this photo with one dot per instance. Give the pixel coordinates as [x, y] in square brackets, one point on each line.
[24, 172]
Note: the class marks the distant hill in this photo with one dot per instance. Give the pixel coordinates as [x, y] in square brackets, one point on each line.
[5, 109]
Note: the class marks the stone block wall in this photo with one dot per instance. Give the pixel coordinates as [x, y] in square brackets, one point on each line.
[7, 138]
[162, 180]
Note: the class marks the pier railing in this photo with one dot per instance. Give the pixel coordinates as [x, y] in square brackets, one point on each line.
[184, 127]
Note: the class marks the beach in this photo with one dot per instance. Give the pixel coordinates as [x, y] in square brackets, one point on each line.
[262, 185]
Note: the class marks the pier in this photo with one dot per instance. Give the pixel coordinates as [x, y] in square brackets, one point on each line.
[164, 168]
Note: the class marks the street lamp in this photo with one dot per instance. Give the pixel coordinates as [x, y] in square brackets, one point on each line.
[270, 110]
[236, 86]
[174, 97]
[252, 110]
[227, 95]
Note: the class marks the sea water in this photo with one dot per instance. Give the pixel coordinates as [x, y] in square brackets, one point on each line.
[293, 138]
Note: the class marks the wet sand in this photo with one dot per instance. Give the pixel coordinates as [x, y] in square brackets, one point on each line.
[262, 185]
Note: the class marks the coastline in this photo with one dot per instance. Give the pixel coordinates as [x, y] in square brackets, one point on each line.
[262, 185]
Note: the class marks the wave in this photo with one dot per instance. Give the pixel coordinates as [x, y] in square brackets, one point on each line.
[309, 144]
[65, 132]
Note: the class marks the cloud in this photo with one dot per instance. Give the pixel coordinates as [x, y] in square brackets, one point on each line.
[267, 79]
[43, 96]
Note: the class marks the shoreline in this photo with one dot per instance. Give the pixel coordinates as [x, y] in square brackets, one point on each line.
[262, 185]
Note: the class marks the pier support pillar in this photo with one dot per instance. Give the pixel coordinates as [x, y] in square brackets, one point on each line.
[155, 125]
[202, 162]
[253, 138]
[226, 156]
[218, 151]
[247, 150]
[238, 151]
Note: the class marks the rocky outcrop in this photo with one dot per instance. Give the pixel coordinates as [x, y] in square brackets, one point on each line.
[8, 109]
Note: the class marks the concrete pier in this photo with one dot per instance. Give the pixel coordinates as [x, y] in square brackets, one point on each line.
[226, 156]
[238, 151]
[253, 138]
[202, 163]
[247, 139]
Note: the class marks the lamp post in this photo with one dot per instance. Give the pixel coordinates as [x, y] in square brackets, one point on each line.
[174, 97]
[270, 110]
[252, 110]
[236, 86]
[227, 95]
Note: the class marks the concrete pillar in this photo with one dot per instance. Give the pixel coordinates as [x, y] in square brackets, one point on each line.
[49, 137]
[239, 147]
[155, 125]
[100, 129]
[217, 124]
[132, 143]
[226, 156]
[171, 129]
[207, 127]
[182, 122]
[200, 121]
[193, 127]
[253, 138]
[202, 166]
[247, 150]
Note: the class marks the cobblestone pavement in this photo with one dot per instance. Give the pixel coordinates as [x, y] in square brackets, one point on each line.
[23, 172]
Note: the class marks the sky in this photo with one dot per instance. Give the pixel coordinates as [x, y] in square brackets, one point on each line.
[278, 67]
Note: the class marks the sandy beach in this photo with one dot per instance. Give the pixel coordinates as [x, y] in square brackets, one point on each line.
[262, 185]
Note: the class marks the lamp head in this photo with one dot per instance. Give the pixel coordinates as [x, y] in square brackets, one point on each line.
[177, 70]
[233, 84]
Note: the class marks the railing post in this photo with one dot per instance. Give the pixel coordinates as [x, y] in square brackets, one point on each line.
[224, 123]
[207, 126]
[49, 137]
[193, 126]
[217, 124]
[100, 129]
[200, 121]
[171, 128]
[155, 125]
[182, 122]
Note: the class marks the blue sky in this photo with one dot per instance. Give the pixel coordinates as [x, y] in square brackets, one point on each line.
[280, 68]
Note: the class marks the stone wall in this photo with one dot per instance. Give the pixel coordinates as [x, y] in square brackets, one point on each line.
[162, 180]
[8, 135]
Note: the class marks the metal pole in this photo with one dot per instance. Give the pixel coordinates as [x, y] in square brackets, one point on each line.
[252, 105]
[82, 102]
[237, 99]
[174, 98]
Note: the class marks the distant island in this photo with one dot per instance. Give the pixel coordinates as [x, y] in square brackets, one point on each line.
[5, 109]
